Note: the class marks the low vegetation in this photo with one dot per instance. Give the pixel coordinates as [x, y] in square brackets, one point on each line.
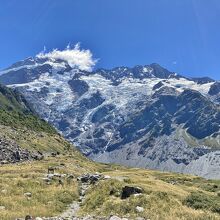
[166, 195]
[19, 120]
[16, 112]
[46, 199]
[162, 198]
[200, 200]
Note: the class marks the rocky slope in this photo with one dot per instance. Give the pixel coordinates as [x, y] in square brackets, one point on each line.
[145, 116]
[11, 153]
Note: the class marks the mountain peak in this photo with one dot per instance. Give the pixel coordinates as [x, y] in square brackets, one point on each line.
[142, 107]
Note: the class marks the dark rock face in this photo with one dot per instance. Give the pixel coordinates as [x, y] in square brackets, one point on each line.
[158, 85]
[127, 191]
[164, 91]
[12, 153]
[199, 114]
[103, 114]
[63, 124]
[214, 89]
[95, 100]
[78, 86]
[160, 72]
[203, 80]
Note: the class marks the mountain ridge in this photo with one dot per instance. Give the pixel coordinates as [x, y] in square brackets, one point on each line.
[35, 60]
[127, 110]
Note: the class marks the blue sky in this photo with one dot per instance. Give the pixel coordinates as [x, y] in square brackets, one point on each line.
[181, 35]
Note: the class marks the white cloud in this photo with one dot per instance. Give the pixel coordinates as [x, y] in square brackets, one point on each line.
[174, 62]
[75, 57]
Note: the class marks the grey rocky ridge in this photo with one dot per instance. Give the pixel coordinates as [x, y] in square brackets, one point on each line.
[145, 116]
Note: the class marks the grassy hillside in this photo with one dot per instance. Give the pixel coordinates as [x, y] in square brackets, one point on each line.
[166, 195]
[16, 112]
[11, 100]
[43, 141]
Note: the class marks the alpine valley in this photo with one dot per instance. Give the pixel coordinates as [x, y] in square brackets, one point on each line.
[144, 116]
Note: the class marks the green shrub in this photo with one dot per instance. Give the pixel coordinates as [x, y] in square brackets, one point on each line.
[199, 200]
[210, 187]
[66, 197]
[21, 120]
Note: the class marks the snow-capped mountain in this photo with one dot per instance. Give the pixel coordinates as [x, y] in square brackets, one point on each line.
[145, 116]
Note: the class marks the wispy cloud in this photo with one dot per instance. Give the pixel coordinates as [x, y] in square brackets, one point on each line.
[75, 56]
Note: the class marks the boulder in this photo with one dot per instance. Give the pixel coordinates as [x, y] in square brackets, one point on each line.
[28, 194]
[28, 217]
[47, 180]
[90, 178]
[127, 191]
[114, 217]
[139, 209]
[106, 177]
[4, 162]
[2, 207]
[70, 176]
